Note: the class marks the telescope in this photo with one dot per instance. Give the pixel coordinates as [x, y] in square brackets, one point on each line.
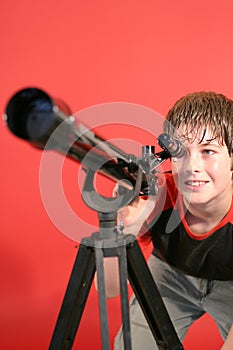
[46, 123]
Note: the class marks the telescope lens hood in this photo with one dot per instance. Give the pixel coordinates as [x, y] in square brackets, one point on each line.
[30, 114]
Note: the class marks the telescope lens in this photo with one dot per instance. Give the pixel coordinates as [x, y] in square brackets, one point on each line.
[29, 114]
[40, 119]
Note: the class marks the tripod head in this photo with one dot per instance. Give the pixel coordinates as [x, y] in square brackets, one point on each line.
[107, 207]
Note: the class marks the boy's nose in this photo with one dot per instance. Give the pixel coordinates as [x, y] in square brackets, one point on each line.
[193, 163]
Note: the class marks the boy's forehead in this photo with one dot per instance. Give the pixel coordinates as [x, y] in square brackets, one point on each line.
[202, 134]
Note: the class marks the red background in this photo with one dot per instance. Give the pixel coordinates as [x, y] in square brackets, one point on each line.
[88, 52]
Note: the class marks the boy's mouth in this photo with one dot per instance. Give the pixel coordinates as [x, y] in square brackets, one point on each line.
[195, 183]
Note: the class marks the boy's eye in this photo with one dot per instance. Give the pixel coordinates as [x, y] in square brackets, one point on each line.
[208, 151]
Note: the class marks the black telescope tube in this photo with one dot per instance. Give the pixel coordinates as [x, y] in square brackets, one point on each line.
[48, 124]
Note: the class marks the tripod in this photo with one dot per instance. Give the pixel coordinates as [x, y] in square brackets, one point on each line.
[111, 242]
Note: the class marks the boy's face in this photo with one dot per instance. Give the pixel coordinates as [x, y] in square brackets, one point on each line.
[203, 175]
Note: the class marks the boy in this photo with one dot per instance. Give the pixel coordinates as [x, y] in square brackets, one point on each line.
[192, 234]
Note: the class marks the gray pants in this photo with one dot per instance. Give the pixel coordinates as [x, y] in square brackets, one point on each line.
[186, 299]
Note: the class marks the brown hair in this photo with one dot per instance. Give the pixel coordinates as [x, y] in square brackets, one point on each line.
[202, 110]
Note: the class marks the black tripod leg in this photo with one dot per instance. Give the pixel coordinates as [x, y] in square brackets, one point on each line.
[124, 294]
[99, 256]
[150, 300]
[75, 299]
[120, 252]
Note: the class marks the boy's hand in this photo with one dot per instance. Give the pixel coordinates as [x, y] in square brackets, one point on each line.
[133, 215]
